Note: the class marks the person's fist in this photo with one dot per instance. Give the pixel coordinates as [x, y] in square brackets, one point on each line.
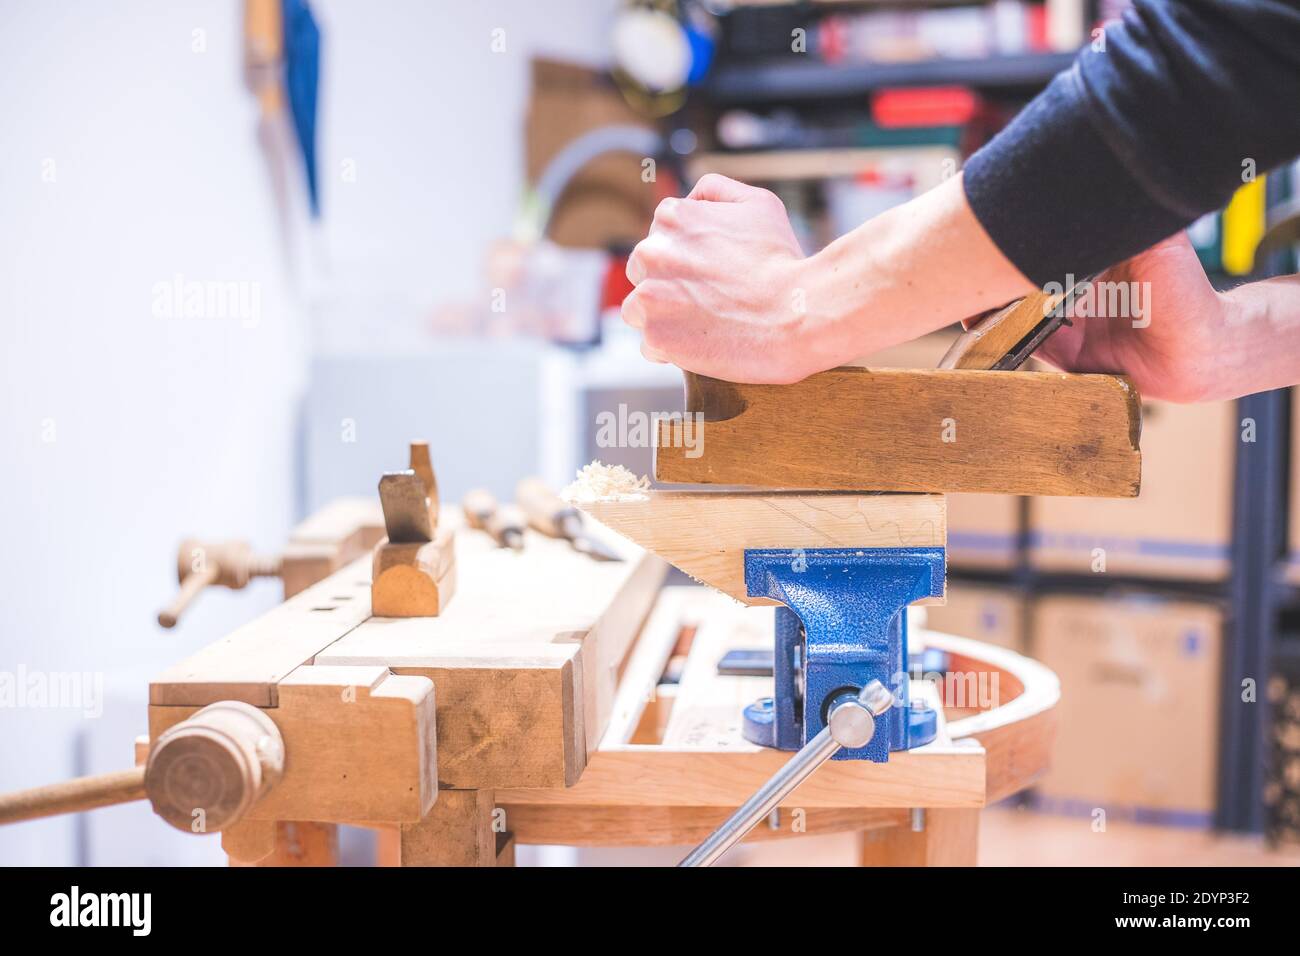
[720, 286]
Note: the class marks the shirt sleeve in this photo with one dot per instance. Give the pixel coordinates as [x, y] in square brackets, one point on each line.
[1142, 135]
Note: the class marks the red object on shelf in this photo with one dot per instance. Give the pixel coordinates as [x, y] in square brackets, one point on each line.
[616, 285]
[832, 39]
[1038, 41]
[924, 106]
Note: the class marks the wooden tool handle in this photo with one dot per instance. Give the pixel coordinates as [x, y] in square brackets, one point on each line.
[479, 505]
[422, 465]
[73, 796]
[193, 583]
[542, 507]
[996, 333]
[507, 525]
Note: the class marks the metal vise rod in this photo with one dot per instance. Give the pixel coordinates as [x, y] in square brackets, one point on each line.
[852, 723]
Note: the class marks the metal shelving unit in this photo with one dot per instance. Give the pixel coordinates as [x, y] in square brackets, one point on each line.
[1259, 508]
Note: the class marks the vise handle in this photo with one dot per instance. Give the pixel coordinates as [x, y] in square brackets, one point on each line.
[851, 724]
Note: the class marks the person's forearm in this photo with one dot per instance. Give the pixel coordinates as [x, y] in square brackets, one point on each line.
[1257, 346]
[910, 270]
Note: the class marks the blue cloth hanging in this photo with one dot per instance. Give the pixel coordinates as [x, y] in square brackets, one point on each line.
[301, 79]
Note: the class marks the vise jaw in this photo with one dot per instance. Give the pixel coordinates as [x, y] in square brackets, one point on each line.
[842, 626]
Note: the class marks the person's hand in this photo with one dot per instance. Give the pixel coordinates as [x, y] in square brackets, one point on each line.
[1155, 318]
[720, 287]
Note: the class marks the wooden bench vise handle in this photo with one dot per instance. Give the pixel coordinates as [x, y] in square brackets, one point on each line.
[191, 585]
[73, 796]
[202, 775]
[201, 564]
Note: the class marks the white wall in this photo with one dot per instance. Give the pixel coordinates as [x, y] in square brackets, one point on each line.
[121, 430]
[128, 157]
[430, 120]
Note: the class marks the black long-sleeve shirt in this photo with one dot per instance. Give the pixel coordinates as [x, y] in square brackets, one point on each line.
[1135, 141]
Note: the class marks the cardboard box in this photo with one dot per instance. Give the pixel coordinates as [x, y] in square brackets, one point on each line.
[1180, 526]
[984, 530]
[981, 612]
[1139, 713]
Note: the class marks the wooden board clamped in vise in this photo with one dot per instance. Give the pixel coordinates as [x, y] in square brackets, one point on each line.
[414, 569]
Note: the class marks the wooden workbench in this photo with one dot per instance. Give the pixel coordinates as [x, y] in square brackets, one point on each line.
[534, 709]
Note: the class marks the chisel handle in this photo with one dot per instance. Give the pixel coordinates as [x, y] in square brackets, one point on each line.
[544, 509]
[507, 526]
[479, 505]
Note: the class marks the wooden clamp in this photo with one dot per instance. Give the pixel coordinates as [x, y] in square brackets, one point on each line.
[334, 536]
[360, 741]
[203, 774]
[414, 568]
[201, 564]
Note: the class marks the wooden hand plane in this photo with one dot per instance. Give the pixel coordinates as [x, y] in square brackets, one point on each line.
[968, 426]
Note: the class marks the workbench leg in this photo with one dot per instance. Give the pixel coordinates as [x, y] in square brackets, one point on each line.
[950, 838]
[462, 829]
[299, 843]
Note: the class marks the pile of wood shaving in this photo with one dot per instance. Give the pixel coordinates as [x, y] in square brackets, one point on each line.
[601, 482]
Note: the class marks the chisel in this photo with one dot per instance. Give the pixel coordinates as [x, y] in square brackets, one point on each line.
[554, 518]
[505, 525]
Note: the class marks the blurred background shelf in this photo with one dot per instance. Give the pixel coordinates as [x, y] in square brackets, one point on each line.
[792, 81]
[802, 164]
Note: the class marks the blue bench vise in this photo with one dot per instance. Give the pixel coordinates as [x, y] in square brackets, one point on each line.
[842, 623]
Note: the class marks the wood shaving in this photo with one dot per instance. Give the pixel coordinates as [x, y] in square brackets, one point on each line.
[601, 482]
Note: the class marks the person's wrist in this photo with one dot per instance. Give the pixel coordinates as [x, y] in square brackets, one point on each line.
[1217, 363]
[825, 328]
[1203, 364]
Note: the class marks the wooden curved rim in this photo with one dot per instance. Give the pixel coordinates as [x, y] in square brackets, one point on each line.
[1018, 730]
[637, 793]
